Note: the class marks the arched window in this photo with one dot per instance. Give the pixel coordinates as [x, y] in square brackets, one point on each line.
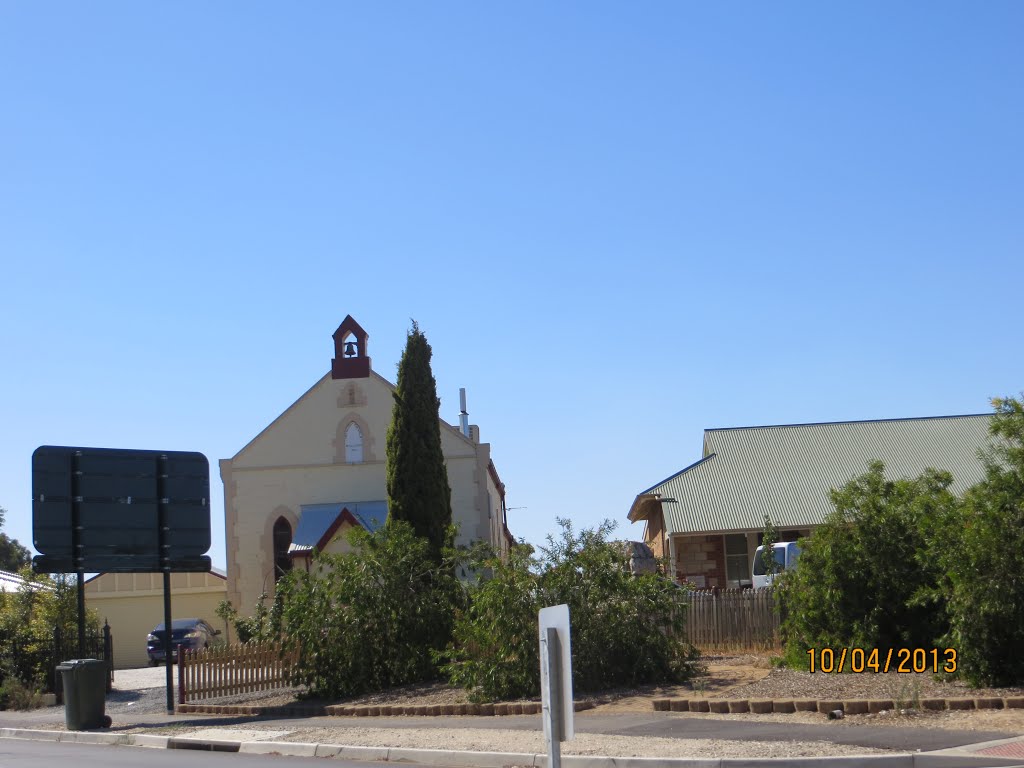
[282, 540]
[353, 444]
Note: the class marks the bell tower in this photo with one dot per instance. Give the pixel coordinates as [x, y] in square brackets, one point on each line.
[350, 359]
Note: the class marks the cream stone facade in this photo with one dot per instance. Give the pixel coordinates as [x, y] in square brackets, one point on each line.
[328, 448]
[133, 603]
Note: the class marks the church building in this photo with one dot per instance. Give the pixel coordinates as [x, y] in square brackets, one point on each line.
[319, 468]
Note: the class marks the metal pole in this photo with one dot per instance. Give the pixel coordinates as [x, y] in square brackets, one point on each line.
[161, 501]
[551, 660]
[77, 546]
[81, 615]
[108, 654]
[168, 648]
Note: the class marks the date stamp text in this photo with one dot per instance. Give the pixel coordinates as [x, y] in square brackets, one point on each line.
[861, 660]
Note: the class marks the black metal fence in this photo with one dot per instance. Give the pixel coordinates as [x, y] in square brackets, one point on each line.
[98, 645]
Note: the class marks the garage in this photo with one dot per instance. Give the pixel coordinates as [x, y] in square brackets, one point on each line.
[133, 603]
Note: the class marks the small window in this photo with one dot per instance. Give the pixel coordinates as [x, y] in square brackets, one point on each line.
[353, 444]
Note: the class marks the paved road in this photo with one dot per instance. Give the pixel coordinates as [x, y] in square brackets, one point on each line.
[39, 754]
[695, 727]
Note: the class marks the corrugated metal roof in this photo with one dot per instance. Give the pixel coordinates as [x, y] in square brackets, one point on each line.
[10, 582]
[788, 471]
[316, 519]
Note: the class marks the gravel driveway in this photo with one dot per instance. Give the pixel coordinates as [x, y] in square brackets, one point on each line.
[142, 690]
[141, 678]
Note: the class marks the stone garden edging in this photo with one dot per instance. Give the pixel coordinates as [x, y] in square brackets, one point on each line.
[826, 706]
[371, 710]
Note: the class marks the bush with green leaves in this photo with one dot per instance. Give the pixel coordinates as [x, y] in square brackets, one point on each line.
[496, 650]
[16, 695]
[868, 577]
[369, 619]
[984, 560]
[29, 618]
[264, 625]
[625, 630]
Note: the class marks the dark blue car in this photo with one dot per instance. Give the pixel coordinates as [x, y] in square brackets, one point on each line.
[190, 634]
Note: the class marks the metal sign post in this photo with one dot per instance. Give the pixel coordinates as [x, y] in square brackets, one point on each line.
[76, 546]
[556, 680]
[163, 537]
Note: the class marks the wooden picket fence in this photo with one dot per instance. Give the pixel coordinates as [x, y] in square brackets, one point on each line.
[236, 668]
[732, 619]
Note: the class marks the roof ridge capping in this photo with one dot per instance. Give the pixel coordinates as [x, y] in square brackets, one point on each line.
[682, 471]
[848, 421]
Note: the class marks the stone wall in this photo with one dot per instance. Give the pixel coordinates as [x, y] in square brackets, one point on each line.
[700, 559]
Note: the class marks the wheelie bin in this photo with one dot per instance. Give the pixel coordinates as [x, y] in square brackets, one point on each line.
[85, 693]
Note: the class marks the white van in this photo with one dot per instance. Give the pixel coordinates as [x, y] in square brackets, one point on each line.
[786, 554]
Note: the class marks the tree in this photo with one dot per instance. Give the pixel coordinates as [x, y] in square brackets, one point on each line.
[28, 619]
[985, 559]
[769, 539]
[13, 556]
[868, 577]
[417, 479]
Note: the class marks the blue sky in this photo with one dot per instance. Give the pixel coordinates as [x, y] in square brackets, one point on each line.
[618, 224]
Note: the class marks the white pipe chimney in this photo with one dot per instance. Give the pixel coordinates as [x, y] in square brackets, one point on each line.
[464, 415]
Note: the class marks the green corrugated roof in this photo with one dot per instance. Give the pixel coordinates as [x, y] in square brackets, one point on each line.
[787, 471]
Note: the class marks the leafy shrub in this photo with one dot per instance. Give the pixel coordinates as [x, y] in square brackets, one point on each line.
[496, 637]
[868, 577]
[29, 618]
[369, 619]
[16, 695]
[625, 629]
[262, 626]
[984, 561]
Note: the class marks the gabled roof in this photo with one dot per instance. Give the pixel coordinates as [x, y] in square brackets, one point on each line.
[788, 470]
[319, 522]
[10, 582]
[323, 379]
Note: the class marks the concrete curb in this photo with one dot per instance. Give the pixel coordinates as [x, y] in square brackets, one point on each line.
[849, 706]
[460, 759]
[366, 710]
[150, 740]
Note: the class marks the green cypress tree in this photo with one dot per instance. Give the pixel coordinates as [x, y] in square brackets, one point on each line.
[417, 480]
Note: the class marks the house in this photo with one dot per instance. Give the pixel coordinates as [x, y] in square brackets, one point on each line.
[319, 468]
[10, 582]
[133, 604]
[708, 517]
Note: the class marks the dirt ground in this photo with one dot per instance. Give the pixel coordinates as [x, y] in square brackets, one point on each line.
[724, 675]
[753, 676]
[747, 676]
